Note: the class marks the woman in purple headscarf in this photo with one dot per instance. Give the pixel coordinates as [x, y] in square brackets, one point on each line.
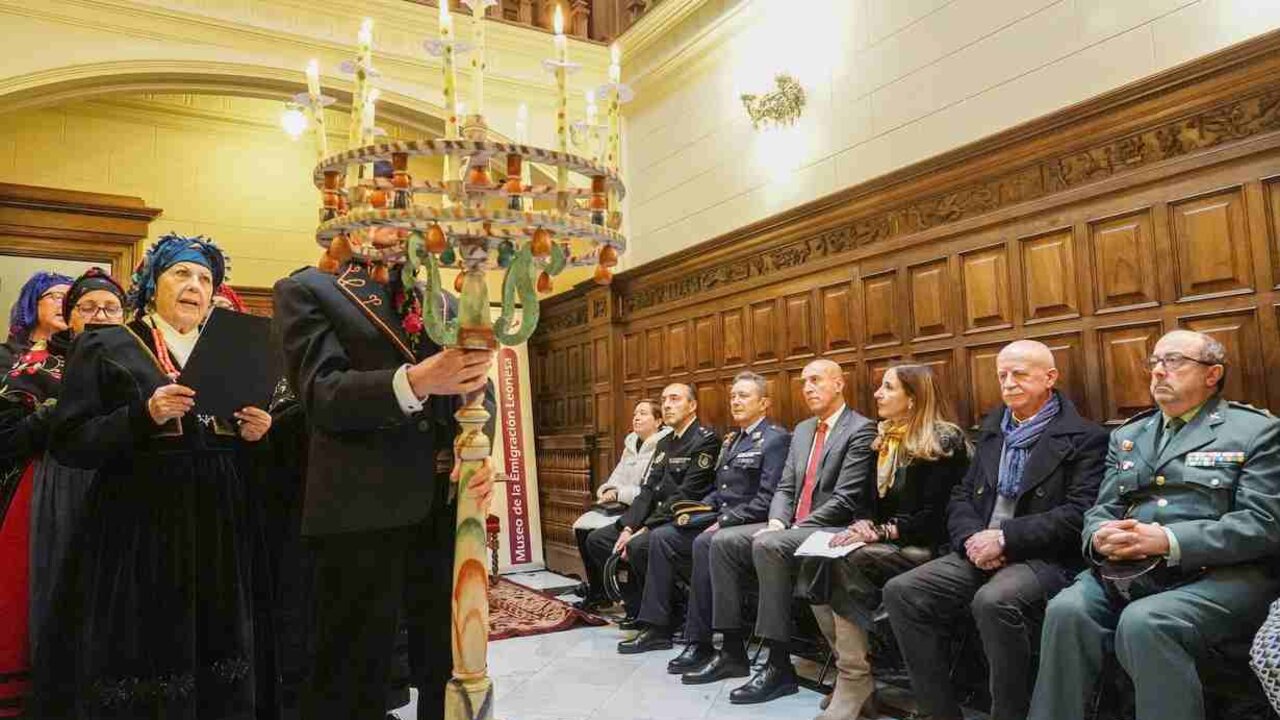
[29, 380]
[153, 617]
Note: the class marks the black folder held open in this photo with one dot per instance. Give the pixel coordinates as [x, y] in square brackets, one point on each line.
[232, 365]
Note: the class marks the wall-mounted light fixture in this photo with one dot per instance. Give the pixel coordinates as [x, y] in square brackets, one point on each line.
[293, 120]
[781, 106]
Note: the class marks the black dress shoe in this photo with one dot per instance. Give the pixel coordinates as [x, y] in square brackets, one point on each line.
[721, 665]
[629, 623]
[649, 639]
[694, 655]
[769, 683]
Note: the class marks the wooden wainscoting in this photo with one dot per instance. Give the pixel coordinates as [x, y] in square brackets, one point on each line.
[565, 489]
[1095, 229]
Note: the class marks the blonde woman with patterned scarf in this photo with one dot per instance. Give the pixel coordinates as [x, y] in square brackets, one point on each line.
[921, 456]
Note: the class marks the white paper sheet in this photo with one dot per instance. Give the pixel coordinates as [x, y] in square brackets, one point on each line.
[819, 545]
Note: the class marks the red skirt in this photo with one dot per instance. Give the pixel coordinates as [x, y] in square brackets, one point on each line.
[15, 663]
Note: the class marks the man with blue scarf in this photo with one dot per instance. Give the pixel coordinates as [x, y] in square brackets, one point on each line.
[1014, 524]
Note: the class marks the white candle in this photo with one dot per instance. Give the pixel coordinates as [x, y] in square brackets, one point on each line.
[522, 124]
[316, 108]
[477, 56]
[615, 63]
[562, 102]
[364, 59]
[367, 136]
[450, 76]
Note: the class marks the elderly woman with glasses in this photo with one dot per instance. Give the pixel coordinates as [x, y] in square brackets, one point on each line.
[154, 616]
[29, 383]
[94, 299]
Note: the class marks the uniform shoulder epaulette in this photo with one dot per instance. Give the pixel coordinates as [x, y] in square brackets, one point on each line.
[302, 269]
[707, 432]
[1246, 406]
[1141, 416]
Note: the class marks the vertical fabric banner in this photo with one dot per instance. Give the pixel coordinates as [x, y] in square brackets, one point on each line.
[511, 420]
[515, 502]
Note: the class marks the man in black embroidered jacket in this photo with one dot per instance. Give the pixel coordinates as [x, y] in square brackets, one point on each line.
[379, 405]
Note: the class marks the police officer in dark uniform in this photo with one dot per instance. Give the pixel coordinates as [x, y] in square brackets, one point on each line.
[747, 471]
[683, 469]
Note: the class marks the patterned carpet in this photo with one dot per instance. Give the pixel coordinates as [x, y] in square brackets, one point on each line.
[516, 611]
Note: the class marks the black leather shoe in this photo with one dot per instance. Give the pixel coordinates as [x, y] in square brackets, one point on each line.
[648, 639]
[721, 665]
[694, 655]
[769, 683]
[628, 623]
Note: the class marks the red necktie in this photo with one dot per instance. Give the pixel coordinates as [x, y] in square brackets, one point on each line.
[811, 473]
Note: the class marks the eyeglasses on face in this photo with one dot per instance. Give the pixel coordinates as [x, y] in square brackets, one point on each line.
[1174, 361]
[90, 310]
[55, 296]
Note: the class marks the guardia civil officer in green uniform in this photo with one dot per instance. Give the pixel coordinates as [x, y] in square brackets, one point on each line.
[1183, 542]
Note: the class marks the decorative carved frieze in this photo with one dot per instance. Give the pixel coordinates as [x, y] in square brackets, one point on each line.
[565, 318]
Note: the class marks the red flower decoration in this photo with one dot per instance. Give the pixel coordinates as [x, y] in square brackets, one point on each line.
[413, 323]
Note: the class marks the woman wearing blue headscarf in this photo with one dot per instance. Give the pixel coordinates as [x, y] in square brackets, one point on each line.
[154, 615]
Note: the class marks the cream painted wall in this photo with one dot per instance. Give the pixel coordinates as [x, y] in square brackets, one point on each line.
[889, 83]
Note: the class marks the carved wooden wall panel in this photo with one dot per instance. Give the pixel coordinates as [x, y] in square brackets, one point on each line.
[837, 316]
[1124, 261]
[765, 336]
[1125, 380]
[704, 339]
[1078, 231]
[633, 356]
[799, 318]
[1238, 332]
[654, 355]
[1211, 240]
[677, 348]
[930, 300]
[882, 324]
[734, 334]
[986, 289]
[1049, 277]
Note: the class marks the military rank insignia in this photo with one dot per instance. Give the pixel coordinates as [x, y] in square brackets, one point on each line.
[659, 458]
[1214, 459]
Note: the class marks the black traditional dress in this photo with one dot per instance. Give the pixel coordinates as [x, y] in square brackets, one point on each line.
[28, 388]
[57, 494]
[154, 616]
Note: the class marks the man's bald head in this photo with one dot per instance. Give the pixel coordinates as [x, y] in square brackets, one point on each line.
[823, 387]
[1027, 374]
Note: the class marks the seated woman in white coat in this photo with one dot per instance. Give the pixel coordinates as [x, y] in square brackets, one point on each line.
[621, 489]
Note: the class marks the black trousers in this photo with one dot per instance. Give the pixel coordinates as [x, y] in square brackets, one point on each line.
[599, 546]
[925, 605]
[364, 583]
[670, 557]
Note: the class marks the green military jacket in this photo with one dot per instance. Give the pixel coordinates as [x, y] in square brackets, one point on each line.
[1215, 486]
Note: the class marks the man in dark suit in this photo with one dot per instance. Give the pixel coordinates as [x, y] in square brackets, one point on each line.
[747, 472]
[683, 469]
[1014, 523]
[379, 407]
[826, 481]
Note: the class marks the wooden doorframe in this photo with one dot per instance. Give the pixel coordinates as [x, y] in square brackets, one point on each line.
[73, 225]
